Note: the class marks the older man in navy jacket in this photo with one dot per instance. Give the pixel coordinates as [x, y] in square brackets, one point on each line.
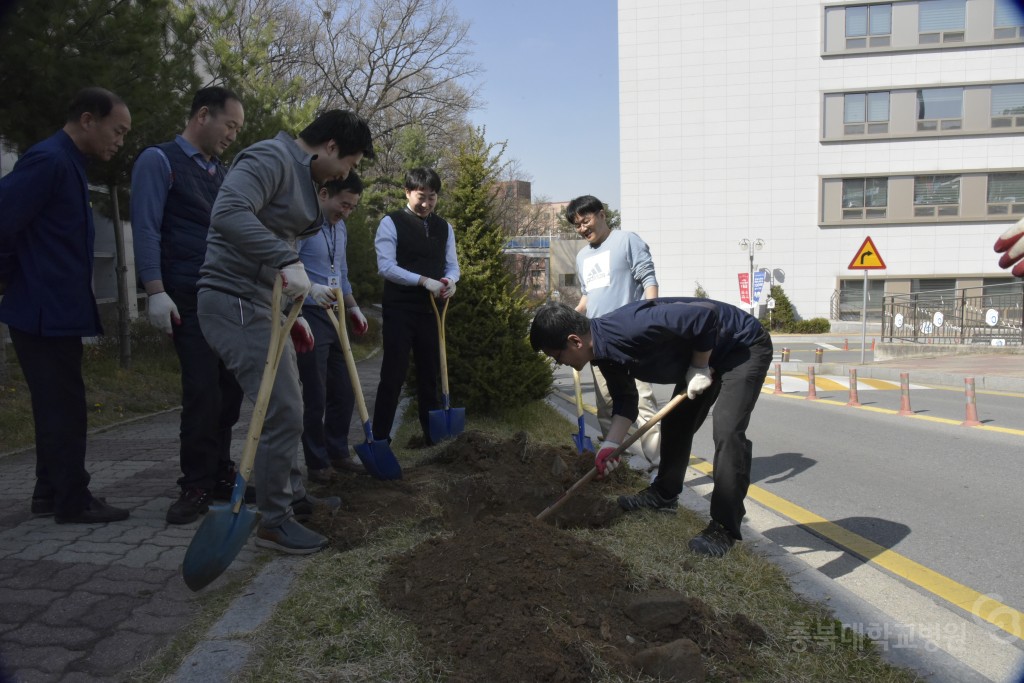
[712, 351]
[46, 262]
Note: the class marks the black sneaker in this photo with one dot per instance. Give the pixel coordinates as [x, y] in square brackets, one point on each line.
[190, 504]
[303, 507]
[648, 499]
[348, 464]
[714, 541]
[42, 507]
[96, 512]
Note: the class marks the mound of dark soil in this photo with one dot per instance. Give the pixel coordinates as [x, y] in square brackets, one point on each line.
[508, 598]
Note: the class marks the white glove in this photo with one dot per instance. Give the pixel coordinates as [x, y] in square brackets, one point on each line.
[322, 295]
[1012, 248]
[697, 381]
[449, 288]
[295, 281]
[302, 336]
[359, 325]
[433, 286]
[162, 312]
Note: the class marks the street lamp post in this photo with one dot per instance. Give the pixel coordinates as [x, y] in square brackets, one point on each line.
[751, 246]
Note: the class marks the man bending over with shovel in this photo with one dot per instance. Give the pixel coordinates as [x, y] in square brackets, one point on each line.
[713, 352]
[269, 201]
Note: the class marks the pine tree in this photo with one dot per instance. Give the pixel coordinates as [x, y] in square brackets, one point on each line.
[490, 363]
[784, 315]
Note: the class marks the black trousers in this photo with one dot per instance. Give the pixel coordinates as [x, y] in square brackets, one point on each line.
[404, 331]
[53, 371]
[735, 388]
[210, 402]
[327, 398]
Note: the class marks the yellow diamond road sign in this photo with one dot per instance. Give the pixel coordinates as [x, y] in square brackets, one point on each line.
[867, 257]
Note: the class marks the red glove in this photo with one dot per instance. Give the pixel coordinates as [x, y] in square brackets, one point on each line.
[603, 461]
[359, 325]
[302, 336]
[1011, 249]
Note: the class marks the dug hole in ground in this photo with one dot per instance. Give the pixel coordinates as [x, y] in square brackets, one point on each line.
[501, 596]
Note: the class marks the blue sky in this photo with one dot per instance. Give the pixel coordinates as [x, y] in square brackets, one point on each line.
[550, 88]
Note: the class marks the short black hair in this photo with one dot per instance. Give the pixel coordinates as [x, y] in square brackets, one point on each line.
[553, 324]
[353, 183]
[422, 178]
[350, 133]
[582, 206]
[213, 98]
[92, 100]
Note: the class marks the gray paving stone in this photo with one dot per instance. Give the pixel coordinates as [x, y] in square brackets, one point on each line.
[70, 608]
[70, 576]
[69, 637]
[72, 556]
[141, 622]
[118, 652]
[35, 676]
[119, 573]
[29, 596]
[39, 550]
[22, 611]
[142, 556]
[107, 614]
[122, 587]
[81, 677]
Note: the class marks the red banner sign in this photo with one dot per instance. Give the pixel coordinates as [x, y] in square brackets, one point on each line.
[745, 288]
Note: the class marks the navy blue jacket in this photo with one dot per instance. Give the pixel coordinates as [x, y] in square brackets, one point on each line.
[653, 341]
[46, 239]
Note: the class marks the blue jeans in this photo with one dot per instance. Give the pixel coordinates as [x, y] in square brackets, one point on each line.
[736, 386]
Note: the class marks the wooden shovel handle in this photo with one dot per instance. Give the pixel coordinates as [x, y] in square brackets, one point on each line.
[646, 427]
[350, 362]
[442, 342]
[278, 338]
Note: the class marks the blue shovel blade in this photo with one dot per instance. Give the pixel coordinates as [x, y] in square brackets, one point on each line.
[583, 442]
[379, 460]
[438, 426]
[216, 543]
[456, 420]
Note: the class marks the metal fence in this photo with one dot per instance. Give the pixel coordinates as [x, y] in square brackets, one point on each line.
[989, 316]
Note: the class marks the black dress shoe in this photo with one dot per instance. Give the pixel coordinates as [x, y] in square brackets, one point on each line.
[42, 507]
[96, 512]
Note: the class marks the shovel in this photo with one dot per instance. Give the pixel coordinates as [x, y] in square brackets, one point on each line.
[583, 442]
[448, 422]
[227, 526]
[676, 400]
[377, 457]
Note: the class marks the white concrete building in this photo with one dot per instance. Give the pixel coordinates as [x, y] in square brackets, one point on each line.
[812, 124]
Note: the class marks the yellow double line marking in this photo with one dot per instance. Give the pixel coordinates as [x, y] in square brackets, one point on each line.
[978, 604]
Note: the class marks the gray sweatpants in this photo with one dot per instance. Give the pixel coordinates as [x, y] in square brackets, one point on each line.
[239, 332]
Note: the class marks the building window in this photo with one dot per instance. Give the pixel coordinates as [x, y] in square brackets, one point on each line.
[865, 198]
[1009, 20]
[868, 26]
[1008, 105]
[1005, 193]
[865, 113]
[940, 109]
[569, 279]
[941, 21]
[936, 195]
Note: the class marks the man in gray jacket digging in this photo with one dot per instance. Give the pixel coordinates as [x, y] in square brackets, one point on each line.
[269, 201]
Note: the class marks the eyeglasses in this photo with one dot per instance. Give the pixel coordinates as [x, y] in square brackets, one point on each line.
[585, 222]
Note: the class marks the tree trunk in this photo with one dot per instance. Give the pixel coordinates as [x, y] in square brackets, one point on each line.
[121, 272]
